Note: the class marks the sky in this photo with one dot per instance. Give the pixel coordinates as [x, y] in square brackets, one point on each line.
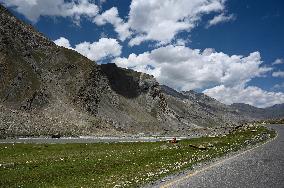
[231, 50]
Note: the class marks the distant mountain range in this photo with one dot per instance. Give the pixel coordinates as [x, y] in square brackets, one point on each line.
[273, 112]
[46, 90]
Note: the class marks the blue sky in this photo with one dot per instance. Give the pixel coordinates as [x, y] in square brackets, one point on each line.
[231, 50]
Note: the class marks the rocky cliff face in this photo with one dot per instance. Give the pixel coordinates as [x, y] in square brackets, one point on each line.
[200, 110]
[46, 90]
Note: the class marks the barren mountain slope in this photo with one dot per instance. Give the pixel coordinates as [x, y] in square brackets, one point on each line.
[46, 89]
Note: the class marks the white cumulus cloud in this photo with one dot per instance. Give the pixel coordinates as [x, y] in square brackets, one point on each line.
[278, 62]
[96, 51]
[221, 76]
[184, 68]
[159, 20]
[278, 86]
[250, 95]
[63, 42]
[34, 9]
[221, 18]
[147, 20]
[111, 16]
[162, 20]
[278, 74]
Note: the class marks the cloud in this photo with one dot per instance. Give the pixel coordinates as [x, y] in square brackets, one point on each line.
[278, 62]
[63, 42]
[100, 50]
[221, 76]
[181, 42]
[96, 51]
[101, 1]
[159, 20]
[250, 95]
[221, 18]
[34, 9]
[279, 86]
[162, 20]
[184, 68]
[111, 16]
[148, 20]
[278, 74]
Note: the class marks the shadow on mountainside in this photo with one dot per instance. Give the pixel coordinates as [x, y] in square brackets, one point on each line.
[122, 81]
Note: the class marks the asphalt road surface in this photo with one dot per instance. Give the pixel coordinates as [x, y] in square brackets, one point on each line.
[261, 167]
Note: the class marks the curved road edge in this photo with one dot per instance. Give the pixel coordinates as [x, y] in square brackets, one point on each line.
[173, 180]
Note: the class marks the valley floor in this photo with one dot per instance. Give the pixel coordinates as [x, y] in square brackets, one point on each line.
[90, 139]
[114, 164]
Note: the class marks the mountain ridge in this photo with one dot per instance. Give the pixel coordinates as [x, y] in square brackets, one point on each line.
[273, 112]
[46, 89]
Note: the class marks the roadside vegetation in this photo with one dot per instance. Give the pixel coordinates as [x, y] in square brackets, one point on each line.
[114, 164]
[274, 121]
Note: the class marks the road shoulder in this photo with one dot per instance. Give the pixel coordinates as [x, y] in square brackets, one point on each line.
[201, 167]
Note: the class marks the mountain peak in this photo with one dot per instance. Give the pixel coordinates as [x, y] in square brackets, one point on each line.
[46, 89]
[18, 34]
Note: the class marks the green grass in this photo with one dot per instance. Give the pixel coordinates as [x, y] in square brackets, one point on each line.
[71, 54]
[274, 121]
[113, 164]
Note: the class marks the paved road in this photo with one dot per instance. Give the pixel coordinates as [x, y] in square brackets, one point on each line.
[262, 167]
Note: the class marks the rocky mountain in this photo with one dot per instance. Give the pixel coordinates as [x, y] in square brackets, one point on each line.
[46, 90]
[273, 112]
[199, 109]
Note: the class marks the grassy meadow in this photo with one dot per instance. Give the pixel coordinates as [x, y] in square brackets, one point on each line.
[113, 164]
